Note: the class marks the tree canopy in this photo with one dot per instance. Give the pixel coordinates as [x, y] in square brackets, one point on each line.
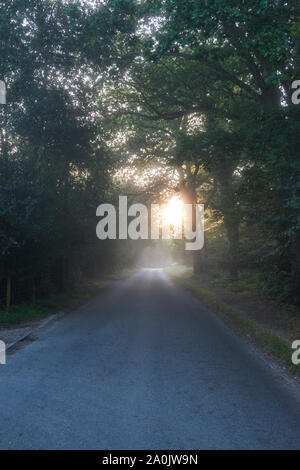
[191, 97]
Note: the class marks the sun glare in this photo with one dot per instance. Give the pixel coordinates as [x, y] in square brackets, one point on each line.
[172, 212]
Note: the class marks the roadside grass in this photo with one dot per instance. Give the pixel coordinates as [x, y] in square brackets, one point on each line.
[30, 311]
[248, 283]
[24, 312]
[271, 343]
[122, 274]
[69, 299]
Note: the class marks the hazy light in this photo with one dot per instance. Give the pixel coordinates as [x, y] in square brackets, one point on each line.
[172, 212]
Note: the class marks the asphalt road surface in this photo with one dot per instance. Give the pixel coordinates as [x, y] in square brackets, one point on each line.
[144, 366]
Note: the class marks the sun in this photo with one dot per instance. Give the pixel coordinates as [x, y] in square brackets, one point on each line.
[172, 212]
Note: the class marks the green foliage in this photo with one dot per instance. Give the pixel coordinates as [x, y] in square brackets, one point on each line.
[196, 88]
[54, 159]
[20, 313]
[244, 55]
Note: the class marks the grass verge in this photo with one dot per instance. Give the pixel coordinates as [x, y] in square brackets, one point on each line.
[271, 343]
[71, 299]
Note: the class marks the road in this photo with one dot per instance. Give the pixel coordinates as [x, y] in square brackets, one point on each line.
[144, 366]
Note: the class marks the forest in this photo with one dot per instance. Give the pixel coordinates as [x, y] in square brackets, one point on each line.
[152, 99]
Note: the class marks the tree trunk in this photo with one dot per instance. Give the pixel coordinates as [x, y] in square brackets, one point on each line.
[296, 269]
[232, 230]
[189, 196]
[8, 293]
[231, 216]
